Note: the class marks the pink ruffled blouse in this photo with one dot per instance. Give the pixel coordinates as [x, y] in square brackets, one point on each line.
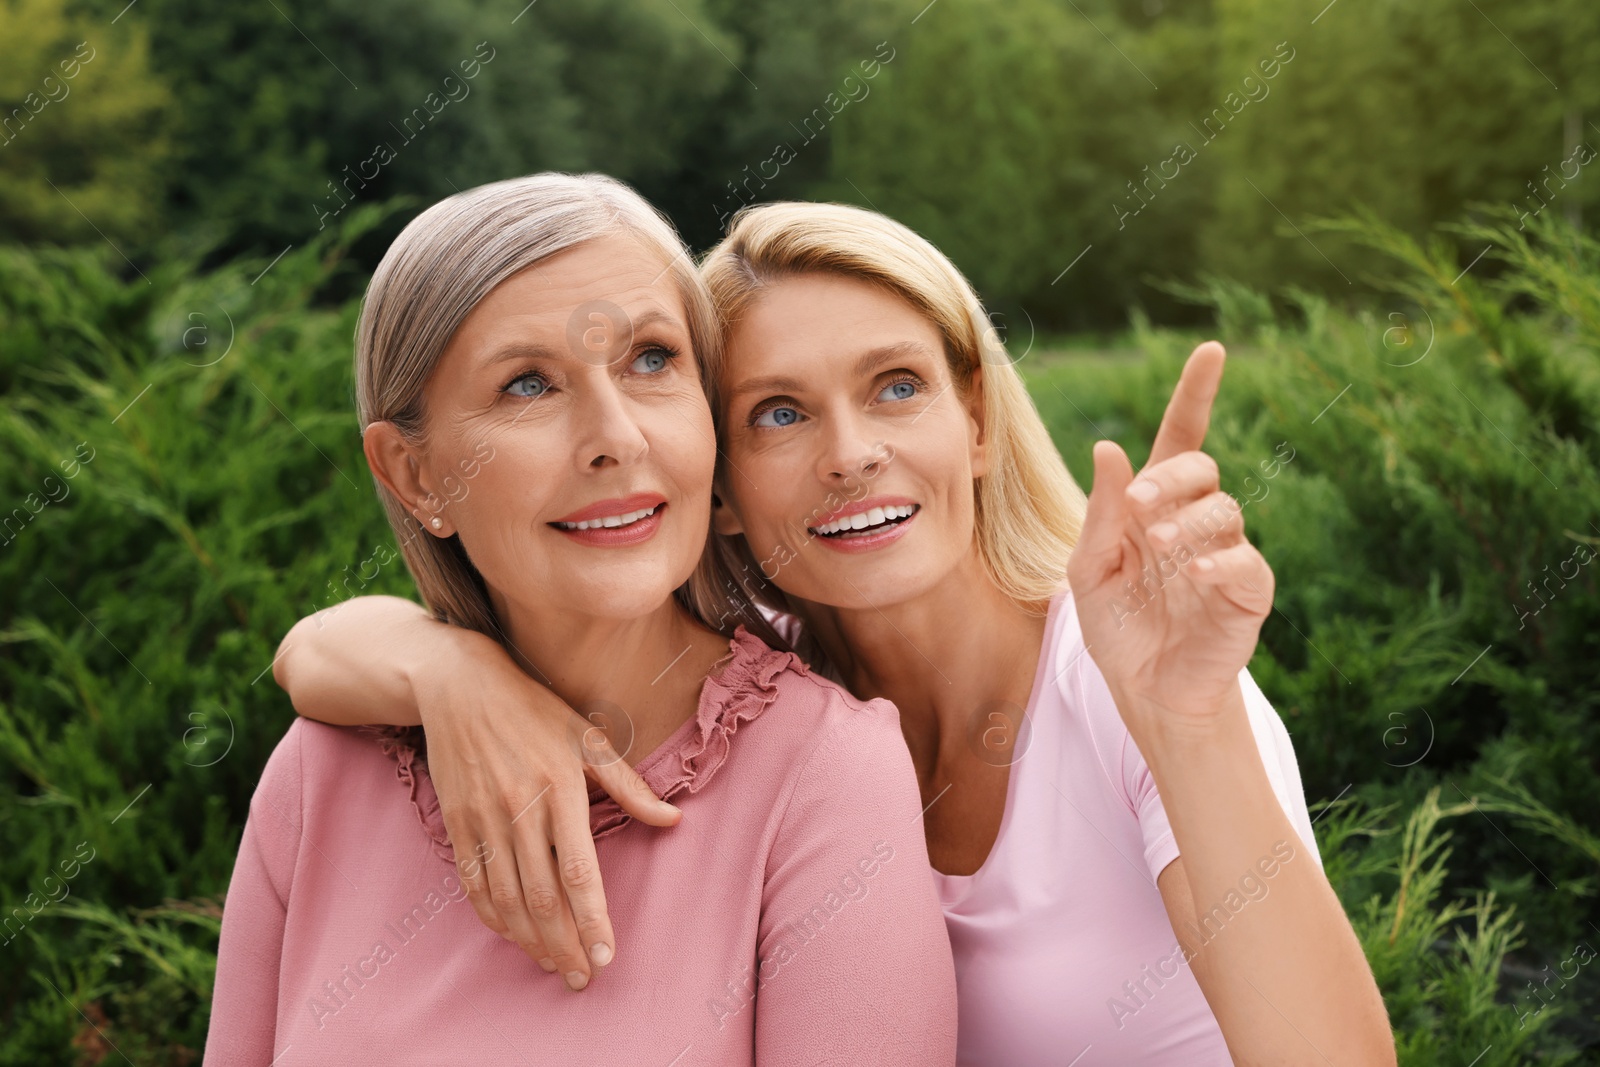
[788, 917]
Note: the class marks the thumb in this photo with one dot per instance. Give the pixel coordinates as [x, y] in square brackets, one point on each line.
[1098, 554]
[631, 793]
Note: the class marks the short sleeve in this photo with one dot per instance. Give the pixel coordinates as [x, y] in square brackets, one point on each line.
[244, 1002]
[1277, 754]
[854, 960]
[1138, 785]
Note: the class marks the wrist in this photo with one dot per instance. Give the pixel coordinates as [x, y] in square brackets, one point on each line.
[442, 652]
[1189, 733]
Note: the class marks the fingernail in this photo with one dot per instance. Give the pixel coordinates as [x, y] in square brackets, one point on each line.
[1164, 531]
[576, 980]
[1144, 492]
[600, 954]
[548, 964]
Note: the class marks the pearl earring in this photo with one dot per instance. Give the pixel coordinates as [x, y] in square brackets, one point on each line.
[436, 522]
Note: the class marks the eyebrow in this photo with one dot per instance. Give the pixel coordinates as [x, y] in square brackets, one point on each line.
[865, 363]
[519, 350]
[515, 350]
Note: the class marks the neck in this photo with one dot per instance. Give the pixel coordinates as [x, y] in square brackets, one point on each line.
[946, 657]
[651, 667]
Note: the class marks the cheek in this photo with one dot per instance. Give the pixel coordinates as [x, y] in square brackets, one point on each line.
[492, 503]
[764, 489]
[771, 519]
[942, 463]
[683, 445]
[935, 469]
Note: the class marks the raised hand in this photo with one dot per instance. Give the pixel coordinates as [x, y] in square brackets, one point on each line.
[1169, 593]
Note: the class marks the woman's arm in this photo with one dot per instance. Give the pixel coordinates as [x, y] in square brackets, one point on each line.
[510, 761]
[1287, 970]
[854, 961]
[244, 1001]
[353, 663]
[1170, 597]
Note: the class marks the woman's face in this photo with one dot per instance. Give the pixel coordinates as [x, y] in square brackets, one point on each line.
[570, 395]
[841, 413]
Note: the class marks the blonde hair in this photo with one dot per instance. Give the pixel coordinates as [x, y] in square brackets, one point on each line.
[1029, 511]
[443, 263]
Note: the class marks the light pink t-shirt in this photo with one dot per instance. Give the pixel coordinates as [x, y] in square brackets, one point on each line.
[1064, 951]
[787, 918]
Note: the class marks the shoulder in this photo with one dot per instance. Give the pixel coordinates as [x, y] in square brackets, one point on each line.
[845, 768]
[848, 731]
[797, 707]
[349, 782]
[316, 746]
[814, 728]
[313, 762]
[1072, 682]
[1063, 654]
[844, 739]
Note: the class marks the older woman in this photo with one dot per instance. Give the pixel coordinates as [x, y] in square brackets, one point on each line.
[1113, 810]
[576, 468]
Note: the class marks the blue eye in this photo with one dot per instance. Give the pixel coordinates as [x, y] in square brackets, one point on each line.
[527, 386]
[778, 416]
[652, 361]
[901, 390]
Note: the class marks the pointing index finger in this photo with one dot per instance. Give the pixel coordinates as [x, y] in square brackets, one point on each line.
[1188, 415]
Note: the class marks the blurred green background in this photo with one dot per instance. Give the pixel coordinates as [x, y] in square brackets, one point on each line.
[1385, 210]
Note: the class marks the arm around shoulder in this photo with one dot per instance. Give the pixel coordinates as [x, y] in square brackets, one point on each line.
[355, 662]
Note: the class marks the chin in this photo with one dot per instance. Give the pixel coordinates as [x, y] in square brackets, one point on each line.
[625, 597]
[872, 589]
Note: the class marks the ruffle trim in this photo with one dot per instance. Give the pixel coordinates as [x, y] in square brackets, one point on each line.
[407, 746]
[739, 688]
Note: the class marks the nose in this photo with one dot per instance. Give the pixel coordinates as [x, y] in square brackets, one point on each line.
[607, 431]
[846, 452]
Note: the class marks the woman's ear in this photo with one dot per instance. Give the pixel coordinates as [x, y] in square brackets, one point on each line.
[396, 464]
[977, 427]
[723, 519]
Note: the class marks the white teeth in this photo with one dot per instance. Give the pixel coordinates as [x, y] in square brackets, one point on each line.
[609, 521]
[862, 520]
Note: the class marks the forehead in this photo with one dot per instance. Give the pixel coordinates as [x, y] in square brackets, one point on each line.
[604, 276]
[823, 310]
[808, 318]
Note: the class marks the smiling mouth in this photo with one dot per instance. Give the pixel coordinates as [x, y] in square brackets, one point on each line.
[867, 522]
[610, 522]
